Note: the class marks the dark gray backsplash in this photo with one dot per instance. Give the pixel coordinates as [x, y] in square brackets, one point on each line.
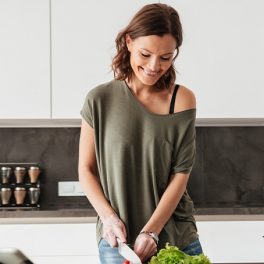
[228, 171]
[56, 151]
[229, 167]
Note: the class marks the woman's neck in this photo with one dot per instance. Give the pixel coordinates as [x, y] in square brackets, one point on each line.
[139, 88]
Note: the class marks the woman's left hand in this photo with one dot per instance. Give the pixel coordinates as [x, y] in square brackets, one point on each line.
[145, 247]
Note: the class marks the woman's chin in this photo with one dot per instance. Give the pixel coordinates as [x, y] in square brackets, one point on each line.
[150, 81]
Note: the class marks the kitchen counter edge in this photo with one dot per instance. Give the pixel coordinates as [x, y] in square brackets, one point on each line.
[68, 217]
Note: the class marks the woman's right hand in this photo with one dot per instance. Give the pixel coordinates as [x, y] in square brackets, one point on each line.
[113, 227]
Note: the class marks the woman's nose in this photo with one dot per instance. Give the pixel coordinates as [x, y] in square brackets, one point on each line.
[154, 64]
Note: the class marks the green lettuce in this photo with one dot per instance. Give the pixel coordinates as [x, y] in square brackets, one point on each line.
[172, 255]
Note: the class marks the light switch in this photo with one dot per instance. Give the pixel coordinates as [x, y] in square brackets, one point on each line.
[70, 188]
[67, 188]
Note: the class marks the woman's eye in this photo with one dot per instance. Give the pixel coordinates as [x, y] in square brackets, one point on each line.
[145, 55]
[165, 59]
[162, 58]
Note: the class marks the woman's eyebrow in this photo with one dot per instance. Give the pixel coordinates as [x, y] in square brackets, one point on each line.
[169, 53]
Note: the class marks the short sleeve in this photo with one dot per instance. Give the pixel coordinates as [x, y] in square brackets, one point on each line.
[87, 109]
[183, 156]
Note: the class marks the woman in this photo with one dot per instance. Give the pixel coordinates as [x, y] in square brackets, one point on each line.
[137, 143]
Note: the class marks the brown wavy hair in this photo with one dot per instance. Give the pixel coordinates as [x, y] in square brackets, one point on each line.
[153, 19]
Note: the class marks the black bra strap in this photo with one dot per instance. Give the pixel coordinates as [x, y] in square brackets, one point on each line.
[173, 99]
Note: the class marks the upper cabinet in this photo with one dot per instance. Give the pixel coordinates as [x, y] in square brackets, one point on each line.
[222, 58]
[52, 52]
[24, 59]
[83, 44]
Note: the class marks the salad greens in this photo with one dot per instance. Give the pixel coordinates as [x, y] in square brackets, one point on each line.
[172, 255]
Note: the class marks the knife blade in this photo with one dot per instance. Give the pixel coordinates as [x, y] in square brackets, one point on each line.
[125, 251]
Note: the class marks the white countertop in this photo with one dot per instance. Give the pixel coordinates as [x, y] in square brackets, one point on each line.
[92, 219]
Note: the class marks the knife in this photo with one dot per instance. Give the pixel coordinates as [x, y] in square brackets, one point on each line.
[126, 252]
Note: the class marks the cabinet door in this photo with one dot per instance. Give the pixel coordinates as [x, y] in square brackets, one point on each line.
[83, 44]
[232, 241]
[24, 59]
[17, 236]
[221, 58]
[42, 242]
[66, 260]
[64, 239]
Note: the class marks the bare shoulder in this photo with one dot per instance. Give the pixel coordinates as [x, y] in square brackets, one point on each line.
[185, 99]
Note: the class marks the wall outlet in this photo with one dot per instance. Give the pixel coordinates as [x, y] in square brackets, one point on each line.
[70, 188]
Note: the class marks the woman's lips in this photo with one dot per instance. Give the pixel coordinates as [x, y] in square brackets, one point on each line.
[150, 73]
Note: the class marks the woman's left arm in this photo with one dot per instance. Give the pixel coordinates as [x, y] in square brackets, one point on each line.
[145, 246]
[168, 202]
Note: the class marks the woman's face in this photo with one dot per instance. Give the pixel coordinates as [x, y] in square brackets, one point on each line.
[151, 56]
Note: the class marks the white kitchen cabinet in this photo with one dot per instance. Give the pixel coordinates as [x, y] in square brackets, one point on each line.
[232, 241]
[52, 52]
[83, 44]
[24, 59]
[222, 241]
[53, 243]
[66, 260]
[221, 58]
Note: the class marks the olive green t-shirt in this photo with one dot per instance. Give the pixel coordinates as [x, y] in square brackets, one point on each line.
[136, 152]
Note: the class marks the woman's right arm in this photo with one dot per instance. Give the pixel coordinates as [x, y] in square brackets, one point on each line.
[87, 170]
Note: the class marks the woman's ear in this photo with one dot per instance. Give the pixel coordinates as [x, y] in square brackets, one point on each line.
[128, 42]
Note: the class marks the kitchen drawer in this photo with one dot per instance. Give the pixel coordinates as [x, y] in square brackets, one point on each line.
[66, 260]
[40, 240]
[232, 241]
